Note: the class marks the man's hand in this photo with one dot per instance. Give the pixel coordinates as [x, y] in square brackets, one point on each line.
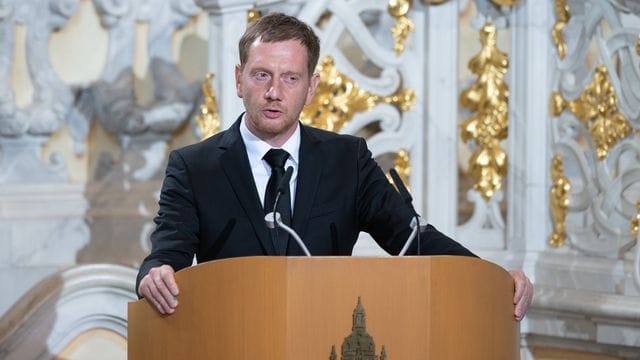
[160, 289]
[523, 294]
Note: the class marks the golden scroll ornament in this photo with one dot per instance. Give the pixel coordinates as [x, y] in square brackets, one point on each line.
[338, 98]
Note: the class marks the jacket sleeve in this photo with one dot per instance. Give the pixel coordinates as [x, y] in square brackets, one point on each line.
[383, 214]
[175, 239]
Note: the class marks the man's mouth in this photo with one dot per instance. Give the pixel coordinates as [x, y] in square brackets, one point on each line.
[272, 113]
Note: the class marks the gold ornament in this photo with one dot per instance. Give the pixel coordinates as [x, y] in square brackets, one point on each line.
[209, 119]
[398, 8]
[559, 202]
[403, 26]
[402, 166]
[488, 99]
[561, 8]
[597, 108]
[638, 45]
[635, 221]
[253, 15]
[338, 98]
[505, 2]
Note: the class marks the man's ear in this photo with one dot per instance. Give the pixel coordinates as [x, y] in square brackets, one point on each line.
[238, 77]
[313, 86]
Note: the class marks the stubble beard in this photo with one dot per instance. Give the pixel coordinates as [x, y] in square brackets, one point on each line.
[270, 129]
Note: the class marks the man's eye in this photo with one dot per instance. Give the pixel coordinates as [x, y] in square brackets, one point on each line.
[291, 79]
[261, 75]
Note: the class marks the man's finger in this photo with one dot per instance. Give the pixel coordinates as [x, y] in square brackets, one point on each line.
[146, 292]
[153, 301]
[523, 294]
[168, 275]
[161, 286]
[158, 298]
[155, 288]
[519, 286]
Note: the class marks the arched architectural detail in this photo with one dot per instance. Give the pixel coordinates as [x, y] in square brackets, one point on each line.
[63, 306]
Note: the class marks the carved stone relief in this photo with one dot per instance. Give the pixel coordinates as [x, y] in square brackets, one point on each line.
[124, 190]
[27, 128]
[601, 86]
[358, 38]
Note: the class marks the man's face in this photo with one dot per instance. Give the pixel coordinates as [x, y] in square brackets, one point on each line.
[274, 85]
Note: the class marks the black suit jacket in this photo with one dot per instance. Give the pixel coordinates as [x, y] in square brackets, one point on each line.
[209, 205]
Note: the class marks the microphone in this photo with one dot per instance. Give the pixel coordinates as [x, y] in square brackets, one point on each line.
[417, 224]
[274, 219]
[406, 196]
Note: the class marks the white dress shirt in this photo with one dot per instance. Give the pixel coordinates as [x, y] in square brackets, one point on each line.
[261, 170]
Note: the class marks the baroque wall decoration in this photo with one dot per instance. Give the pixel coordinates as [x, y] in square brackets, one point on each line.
[635, 221]
[594, 132]
[505, 2]
[23, 131]
[561, 8]
[402, 164]
[208, 120]
[399, 9]
[487, 99]
[597, 108]
[338, 98]
[559, 201]
[253, 15]
[123, 188]
[114, 98]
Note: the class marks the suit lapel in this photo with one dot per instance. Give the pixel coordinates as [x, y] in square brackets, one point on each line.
[311, 164]
[236, 167]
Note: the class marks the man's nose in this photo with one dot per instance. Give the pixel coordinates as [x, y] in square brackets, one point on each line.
[273, 93]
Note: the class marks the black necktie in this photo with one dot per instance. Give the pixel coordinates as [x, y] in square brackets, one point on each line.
[276, 158]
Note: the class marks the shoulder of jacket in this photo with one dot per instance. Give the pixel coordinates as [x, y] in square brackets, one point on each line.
[325, 135]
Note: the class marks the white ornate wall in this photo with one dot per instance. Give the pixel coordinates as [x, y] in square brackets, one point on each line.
[586, 291]
[94, 93]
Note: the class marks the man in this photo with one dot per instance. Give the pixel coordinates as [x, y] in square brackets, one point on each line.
[216, 193]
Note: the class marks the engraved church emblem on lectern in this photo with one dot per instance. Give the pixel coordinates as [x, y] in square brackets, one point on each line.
[359, 344]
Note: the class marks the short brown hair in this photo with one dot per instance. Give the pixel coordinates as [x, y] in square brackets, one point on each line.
[276, 27]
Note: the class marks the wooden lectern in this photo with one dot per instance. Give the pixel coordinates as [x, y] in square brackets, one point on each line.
[333, 308]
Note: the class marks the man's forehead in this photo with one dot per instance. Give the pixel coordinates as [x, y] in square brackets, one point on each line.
[260, 41]
[265, 50]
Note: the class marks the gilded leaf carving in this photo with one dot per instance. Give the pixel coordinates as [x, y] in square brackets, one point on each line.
[208, 119]
[400, 31]
[561, 9]
[559, 200]
[597, 109]
[487, 98]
